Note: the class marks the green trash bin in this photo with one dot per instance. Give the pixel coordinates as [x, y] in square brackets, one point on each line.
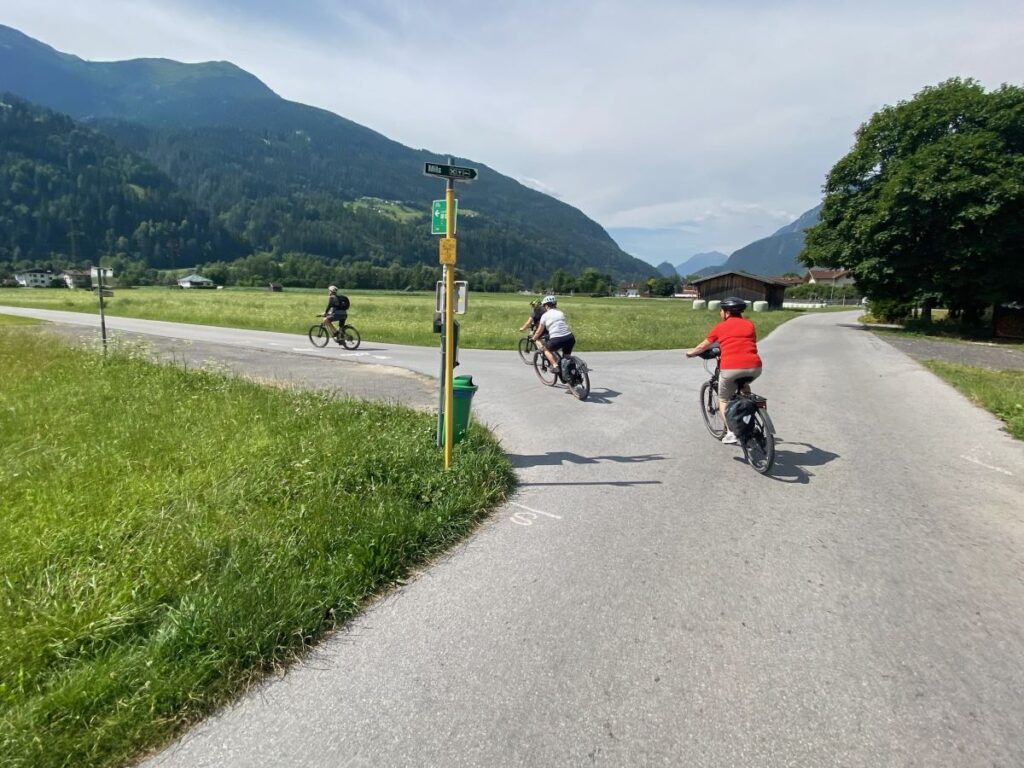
[463, 390]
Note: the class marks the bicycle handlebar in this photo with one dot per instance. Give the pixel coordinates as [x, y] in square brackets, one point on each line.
[711, 352]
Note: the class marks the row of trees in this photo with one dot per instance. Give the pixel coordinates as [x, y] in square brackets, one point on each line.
[303, 271]
[927, 209]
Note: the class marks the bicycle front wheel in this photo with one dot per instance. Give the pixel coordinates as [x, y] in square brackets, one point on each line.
[526, 349]
[318, 336]
[759, 448]
[580, 384]
[711, 412]
[545, 372]
[350, 338]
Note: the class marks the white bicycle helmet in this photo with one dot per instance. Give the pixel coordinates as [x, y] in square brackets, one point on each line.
[333, 289]
[549, 299]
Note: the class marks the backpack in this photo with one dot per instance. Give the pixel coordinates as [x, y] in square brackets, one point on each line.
[569, 370]
[344, 303]
[739, 415]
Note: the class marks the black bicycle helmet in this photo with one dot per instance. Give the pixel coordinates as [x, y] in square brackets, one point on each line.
[732, 304]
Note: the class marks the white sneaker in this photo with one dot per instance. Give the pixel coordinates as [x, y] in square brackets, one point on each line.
[730, 438]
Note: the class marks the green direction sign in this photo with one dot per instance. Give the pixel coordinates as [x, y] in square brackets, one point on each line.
[438, 216]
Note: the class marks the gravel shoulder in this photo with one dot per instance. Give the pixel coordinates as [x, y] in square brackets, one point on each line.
[995, 356]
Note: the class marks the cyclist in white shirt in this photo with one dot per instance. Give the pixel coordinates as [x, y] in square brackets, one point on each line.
[553, 323]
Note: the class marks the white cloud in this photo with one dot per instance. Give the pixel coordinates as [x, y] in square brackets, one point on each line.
[640, 114]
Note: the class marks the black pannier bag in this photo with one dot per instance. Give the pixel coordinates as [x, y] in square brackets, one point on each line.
[568, 369]
[739, 415]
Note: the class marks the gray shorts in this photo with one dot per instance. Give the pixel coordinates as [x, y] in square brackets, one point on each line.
[727, 381]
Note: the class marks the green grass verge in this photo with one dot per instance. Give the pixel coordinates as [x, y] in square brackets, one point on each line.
[169, 535]
[1000, 392]
[406, 318]
[18, 320]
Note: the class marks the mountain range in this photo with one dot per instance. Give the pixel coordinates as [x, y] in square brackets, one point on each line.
[284, 177]
[777, 253]
[700, 261]
[228, 167]
[770, 256]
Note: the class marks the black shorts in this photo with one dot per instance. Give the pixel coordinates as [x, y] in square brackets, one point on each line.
[564, 343]
[340, 319]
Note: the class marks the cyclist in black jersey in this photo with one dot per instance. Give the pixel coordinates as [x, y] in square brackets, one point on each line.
[336, 312]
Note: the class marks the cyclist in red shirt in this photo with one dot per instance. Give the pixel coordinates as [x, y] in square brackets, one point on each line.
[737, 339]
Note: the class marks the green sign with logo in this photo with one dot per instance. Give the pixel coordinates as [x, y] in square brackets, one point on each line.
[438, 217]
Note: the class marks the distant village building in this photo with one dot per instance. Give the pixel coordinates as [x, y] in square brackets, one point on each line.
[629, 290]
[34, 278]
[828, 276]
[742, 285]
[788, 281]
[73, 279]
[195, 281]
[275, 287]
[1009, 320]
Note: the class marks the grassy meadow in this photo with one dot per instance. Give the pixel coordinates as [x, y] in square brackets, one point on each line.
[490, 322]
[15, 320]
[171, 534]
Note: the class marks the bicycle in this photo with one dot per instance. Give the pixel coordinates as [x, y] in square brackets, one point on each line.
[527, 348]
[759, 447]
[579, 373]
[346, 335]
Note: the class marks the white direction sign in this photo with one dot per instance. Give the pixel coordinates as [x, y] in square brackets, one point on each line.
[461, 289]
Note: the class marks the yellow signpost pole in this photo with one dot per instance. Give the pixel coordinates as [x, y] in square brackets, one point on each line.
[451, 174]
[448, 259]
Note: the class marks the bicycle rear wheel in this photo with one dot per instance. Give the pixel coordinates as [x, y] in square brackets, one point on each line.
[711, 412]
[318, 336]
[759, 448]
[526, 349]
[580, 384]
[350, 338]
[545, 372]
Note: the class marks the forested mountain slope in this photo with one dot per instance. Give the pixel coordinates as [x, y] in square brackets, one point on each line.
[66, 187]
[283, 176]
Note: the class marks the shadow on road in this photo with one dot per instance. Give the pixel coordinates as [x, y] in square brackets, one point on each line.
[602, 396]
[616, 483]
[557, 458]
[790, 465]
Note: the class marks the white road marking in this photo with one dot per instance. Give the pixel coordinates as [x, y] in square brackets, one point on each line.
[529, 515]
[987, 466]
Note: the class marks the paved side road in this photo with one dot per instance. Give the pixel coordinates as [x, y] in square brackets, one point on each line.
[647, 599]
[330, 370]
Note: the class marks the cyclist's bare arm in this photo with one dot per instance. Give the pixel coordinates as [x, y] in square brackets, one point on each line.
[699, 348]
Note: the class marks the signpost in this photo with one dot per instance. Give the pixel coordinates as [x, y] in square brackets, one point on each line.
[98, 273]
[461, 288]
[453, 172]
[447, 257]
[439, 218]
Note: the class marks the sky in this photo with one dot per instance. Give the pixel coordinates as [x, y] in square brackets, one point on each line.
[680, 127]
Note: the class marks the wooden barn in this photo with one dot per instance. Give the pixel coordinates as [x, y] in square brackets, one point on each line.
[743, 285]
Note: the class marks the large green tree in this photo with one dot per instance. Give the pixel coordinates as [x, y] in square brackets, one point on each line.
[928, 206]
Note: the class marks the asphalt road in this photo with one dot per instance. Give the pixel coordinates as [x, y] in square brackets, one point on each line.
[647, 599]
